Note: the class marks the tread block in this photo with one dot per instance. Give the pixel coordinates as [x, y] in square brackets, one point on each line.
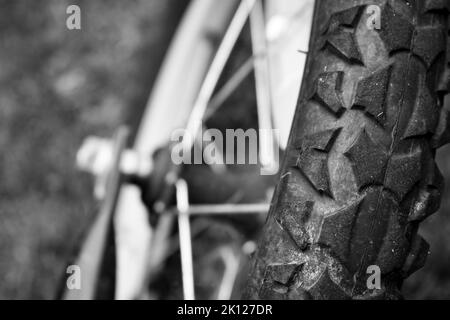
[346, 18]
[444, 81]
[442, 135]
[393, 251]
[435, 178]
[344, 44]
[320, 141]
[403, 171]
[272, 291]
[428, 43]
[369, 230]
[313, 158]
[396, 31]
[340, 34]
[424, 118]
[277, 278]
[281, 273]
[426, 203]
[314, 165]
[417, 255]
[371, 93]
[337, 230]
[427, 199]
[293, 220]
[368, 160]
[325, 289]
[328, 91]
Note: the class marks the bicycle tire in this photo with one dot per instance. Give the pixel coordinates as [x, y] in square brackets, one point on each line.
[359, 172]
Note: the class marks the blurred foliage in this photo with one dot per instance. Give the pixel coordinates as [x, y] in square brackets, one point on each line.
[58, 86]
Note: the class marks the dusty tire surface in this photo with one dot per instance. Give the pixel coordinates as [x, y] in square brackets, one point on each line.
[359, 174]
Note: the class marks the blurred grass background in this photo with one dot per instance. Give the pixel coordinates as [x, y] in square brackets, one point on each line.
[58, 86]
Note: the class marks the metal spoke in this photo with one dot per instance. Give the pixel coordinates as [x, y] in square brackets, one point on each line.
[229, 87]
[159, 247]
[223, 52]
[184, 229]
[243, 71]
[232, 208]
[204, 107]
[262, 85]
[231, 262]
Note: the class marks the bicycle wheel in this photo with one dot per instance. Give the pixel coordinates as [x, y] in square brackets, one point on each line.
[143, 249]
[359, 174]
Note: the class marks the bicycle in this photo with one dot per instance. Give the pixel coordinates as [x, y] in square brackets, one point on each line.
[358, 173]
